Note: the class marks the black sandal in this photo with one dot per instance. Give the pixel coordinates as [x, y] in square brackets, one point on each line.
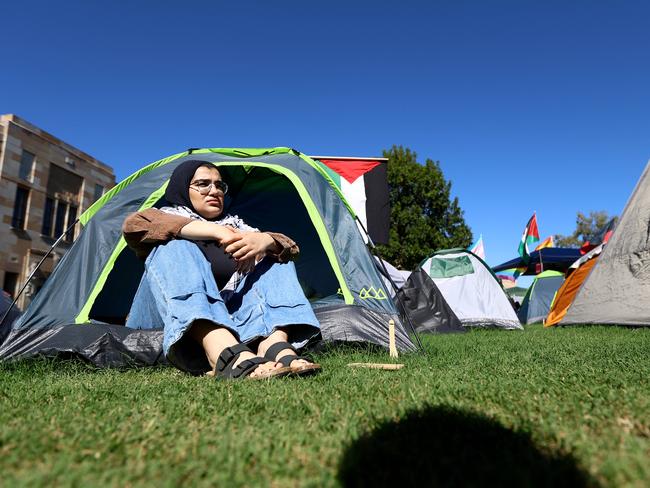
[226, 368]
[286, 361]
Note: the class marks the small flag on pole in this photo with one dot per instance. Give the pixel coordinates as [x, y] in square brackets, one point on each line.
[548, 242]
[478, 248]
[529, 237]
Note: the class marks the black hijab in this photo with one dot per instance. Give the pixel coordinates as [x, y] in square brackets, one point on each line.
[178, 189]
[178, 193]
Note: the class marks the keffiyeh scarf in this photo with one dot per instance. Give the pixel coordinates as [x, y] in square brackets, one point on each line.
[228, 220]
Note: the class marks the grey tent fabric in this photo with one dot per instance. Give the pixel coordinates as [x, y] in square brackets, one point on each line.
[8, 314]
[537, 301]
[397, 276]
[101, 345]
[339, 323]
[422, 301]
[617, 290]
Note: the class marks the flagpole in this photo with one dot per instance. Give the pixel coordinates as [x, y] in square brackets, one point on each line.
[541, 261]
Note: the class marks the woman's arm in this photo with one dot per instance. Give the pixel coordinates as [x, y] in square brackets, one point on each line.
[198, 230]
[285, 248]
[146, 229]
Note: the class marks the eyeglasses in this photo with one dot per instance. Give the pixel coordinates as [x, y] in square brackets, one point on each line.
[205, 186]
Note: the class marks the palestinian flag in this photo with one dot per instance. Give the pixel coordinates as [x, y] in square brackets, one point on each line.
[529, 237]
[364, 184]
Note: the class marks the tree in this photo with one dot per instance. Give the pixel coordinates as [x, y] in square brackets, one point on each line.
[588, 228]
[422, 217]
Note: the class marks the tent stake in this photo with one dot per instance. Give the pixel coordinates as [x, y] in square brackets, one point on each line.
[387, 274]
[392, 350]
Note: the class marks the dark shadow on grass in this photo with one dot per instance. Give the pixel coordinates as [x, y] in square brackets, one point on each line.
[443, 446]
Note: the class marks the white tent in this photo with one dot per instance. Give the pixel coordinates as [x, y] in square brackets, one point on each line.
[471, 289]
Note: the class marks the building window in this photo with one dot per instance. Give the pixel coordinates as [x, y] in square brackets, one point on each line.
[11, 280]
[57, 217]
[72, 216]
[99, 191]
[48, 216]
[59, 222]
[26, 166]
[20, 208]
[64, 184]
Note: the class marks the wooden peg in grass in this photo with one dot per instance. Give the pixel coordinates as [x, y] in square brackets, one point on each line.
[385, 366]
[392, 349]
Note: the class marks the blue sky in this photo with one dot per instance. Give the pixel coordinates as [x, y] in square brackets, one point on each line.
[528, 106]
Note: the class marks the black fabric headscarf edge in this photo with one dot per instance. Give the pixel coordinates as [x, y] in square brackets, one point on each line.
[178, 189]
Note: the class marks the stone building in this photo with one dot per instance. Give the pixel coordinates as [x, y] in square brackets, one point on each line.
[45, 184]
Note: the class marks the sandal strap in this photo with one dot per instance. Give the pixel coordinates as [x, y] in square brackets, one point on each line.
[289, 358]
[228, 357]
[225, 366]
[246, 367]
[275, 349]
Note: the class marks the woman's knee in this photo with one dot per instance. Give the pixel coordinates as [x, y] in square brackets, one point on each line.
[176, 250]
[179, 267]
[180, 246]
[279, 270]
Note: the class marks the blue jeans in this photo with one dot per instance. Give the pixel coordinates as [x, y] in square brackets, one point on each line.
[177, 288]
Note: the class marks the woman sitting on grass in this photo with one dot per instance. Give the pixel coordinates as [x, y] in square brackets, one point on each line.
[217, 286]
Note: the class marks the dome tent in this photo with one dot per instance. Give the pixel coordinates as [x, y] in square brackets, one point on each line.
[572, 284]
[539, 297]
[279, 189]
[471, 289]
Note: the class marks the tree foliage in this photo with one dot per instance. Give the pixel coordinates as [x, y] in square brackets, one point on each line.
[423, 218]
[587, 229]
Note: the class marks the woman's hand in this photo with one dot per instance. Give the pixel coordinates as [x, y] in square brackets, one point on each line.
[223, 234]
[247, 248]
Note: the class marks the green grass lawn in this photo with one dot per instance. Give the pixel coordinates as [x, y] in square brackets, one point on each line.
[567, 407]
